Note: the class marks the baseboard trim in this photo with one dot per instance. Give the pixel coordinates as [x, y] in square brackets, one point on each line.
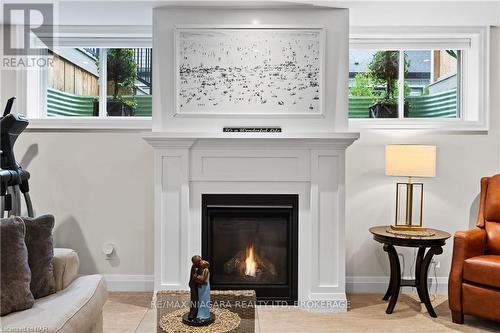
[354, 284]
[121, 282]
[378, 284]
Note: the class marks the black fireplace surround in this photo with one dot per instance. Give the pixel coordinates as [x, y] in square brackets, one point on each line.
[251, 242]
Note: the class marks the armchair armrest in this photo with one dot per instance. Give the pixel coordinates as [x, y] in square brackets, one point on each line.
[66, 265]
[466, 244]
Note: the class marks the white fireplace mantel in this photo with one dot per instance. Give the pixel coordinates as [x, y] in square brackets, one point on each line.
[311, 165]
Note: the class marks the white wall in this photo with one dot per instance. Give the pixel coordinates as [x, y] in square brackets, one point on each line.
[450, 199]
[99, 186]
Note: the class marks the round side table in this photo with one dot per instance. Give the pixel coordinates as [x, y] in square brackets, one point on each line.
[424, 258]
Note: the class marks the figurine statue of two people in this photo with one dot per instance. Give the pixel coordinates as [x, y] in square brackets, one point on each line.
[199, 285]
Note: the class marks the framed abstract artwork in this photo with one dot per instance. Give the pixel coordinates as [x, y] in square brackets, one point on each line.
[271, 70]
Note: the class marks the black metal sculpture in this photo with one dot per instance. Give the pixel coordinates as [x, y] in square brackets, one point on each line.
[13, 178]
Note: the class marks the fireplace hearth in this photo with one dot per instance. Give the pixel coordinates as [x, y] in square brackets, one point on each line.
[251, 242]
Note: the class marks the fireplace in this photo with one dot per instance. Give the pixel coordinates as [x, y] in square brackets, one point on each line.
[251, 242]
[309, 166]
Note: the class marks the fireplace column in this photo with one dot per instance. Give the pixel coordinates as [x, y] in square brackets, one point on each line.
[171, 173]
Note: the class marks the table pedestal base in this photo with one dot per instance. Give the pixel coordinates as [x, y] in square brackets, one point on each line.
[420, 282]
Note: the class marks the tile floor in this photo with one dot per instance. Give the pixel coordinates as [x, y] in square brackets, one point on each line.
[131, 312]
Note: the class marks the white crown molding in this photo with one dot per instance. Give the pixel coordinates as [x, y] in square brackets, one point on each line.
[414, 31]
[97, 30]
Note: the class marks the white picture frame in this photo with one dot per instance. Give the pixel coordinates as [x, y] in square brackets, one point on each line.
[289, 83]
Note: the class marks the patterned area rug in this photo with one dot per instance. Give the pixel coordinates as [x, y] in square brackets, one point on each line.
[225, 321]
[234, 312]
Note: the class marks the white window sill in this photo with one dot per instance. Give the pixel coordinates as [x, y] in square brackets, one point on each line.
[432, 125]
[91, 123]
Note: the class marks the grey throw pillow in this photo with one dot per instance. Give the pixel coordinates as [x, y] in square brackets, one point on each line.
[40, 254]
[16, 276]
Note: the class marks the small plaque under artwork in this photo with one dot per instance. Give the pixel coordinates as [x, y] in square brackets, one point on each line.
[252, 130]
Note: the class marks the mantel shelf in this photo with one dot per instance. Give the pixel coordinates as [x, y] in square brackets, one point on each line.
[211, 135]
[176, 140]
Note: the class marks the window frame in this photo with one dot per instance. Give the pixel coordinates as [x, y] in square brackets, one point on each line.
[473, 77]
[73, 37]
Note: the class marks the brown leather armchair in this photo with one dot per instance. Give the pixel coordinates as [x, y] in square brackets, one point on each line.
[474, 283]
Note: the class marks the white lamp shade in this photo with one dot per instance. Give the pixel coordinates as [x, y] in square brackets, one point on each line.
[410, 160]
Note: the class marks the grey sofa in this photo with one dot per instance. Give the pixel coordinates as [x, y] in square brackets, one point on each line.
[76, 307]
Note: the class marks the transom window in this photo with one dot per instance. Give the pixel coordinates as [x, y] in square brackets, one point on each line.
[80, 79]
[98, 77]
[419, 78]
[404, 83]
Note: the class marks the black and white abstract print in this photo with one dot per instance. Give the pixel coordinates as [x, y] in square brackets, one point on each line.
[249, 71]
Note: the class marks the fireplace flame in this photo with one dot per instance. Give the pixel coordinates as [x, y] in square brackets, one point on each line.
[250, 263]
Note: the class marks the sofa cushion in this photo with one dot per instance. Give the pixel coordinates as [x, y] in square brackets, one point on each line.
[482, 302]
[40, 254]
[75, 309]
[66, 265]
[492, 237]
[483, 270]
[16, 275]
[492, 204]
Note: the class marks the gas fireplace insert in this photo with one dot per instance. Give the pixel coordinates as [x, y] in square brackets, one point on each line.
[251, 242]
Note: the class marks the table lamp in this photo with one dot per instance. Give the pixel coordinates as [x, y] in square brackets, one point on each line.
[410, 161]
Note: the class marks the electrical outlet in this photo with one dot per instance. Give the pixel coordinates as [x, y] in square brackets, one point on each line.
[436, 263]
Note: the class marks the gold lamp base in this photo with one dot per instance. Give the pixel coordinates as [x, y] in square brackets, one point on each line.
[408, 217]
